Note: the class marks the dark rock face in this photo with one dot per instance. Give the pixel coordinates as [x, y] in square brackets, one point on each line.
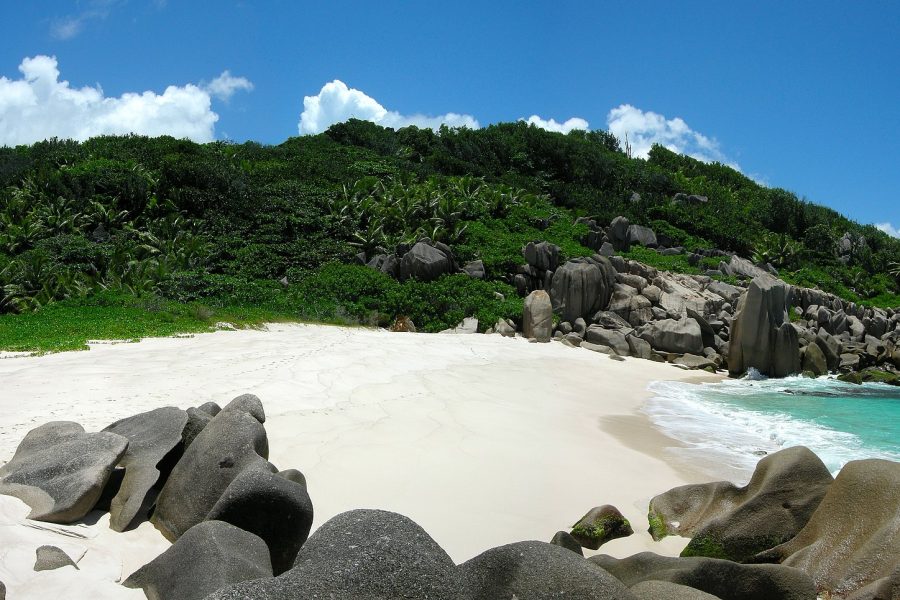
[600, 525]
[538, 571]
[721, 578]
[365, 555]
[565, 540]
[663, 590]
[60, 471]
[208, 557]
[643, 236]
[887, 588]
[48, 558]
[668, 335]
[761, 334]
[581, 287]
[271, 506]
[151, 436]
[385, 263]
[812, 359]
[618, 233]
[537, 316]
[852, 538]
[543, 256]
[425, 263]
[233, 441]
[733, 523]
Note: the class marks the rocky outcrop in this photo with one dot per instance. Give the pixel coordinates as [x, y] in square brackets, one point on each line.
[538, 570]
[60, 471]
[151, 436]
[852, 538]
[537, 316]
[682, 336]
[425, 262]
[725, 521]
[233, 441]
[581, 287]
[543, 256]
[721, 578]
[208, 557]
[762, 336]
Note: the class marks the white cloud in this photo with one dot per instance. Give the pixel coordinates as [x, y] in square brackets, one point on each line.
[552, 125]
[225, 85]
[335, 103]
[647, 128]
[888, 229]
[40, 105]
[69, 27]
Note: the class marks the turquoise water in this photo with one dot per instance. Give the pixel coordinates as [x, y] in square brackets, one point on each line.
[726, 427]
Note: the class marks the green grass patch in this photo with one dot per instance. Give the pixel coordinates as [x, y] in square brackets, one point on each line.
[677, 263]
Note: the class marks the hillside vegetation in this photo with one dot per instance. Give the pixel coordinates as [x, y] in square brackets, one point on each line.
[196, 233]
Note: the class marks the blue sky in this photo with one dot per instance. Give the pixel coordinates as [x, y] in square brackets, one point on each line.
[800, 95]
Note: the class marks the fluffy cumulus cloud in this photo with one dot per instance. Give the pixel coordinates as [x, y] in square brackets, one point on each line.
[551, 125]
[335, 103]
[645, 128]
[888, 228]
[39, 105]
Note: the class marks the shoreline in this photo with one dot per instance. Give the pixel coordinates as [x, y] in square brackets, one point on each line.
[483, 440]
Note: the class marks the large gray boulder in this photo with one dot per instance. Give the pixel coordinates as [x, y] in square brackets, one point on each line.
[668, 335]
[812, 360]
[208, 557]
[233, 441]
[736, 523]
[761, 334]
[613, 338]
[272, 506]
[742, 267]
[581, 287]
[643, 236]
[425, 263]
[618, 233]
[363, 555]
[60, 471]
[538, 571]
[49, 558]
[852, 538]
[151, 436]
[663, 590]
[537, 316]
[721, 578]
[543, 256]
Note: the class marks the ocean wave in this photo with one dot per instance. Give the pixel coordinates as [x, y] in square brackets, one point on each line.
[724, 438]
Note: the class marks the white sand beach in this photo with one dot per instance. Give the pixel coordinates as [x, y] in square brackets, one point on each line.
[482, 440]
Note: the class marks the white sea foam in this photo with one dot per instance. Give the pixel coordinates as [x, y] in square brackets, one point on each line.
[726, 441]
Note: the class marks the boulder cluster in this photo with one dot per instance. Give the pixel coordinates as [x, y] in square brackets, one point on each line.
[621, 307]
[240, 528]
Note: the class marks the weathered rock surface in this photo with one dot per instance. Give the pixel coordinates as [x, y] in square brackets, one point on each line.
[543, 256]
[721, 578]
[612, 338]
[233, 441]
[48, 558]
[271, 506]
[151, 436]
[725, 521]
[537, 316]
[663, 590]
[60, 471]
[474, 269]
[813, 360]
[668, 335]
[538, 571]
[761, 334]
[581, 287]
[425, 263]
[365, 555]
[643, 236]
[565, 540]
[600, 525]
[208, 557]
[852, 538]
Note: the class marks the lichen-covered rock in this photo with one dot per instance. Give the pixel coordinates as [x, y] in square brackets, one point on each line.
[208, 557]
[60, 471]
[151, 436]
[852, 538]
[725, 521]
[761, 334]
[537, 571]
[600, 525]
[721, 578]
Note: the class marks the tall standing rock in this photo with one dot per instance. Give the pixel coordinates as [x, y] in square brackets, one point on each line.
[537, 321]
[581, 287]
[761, 335]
